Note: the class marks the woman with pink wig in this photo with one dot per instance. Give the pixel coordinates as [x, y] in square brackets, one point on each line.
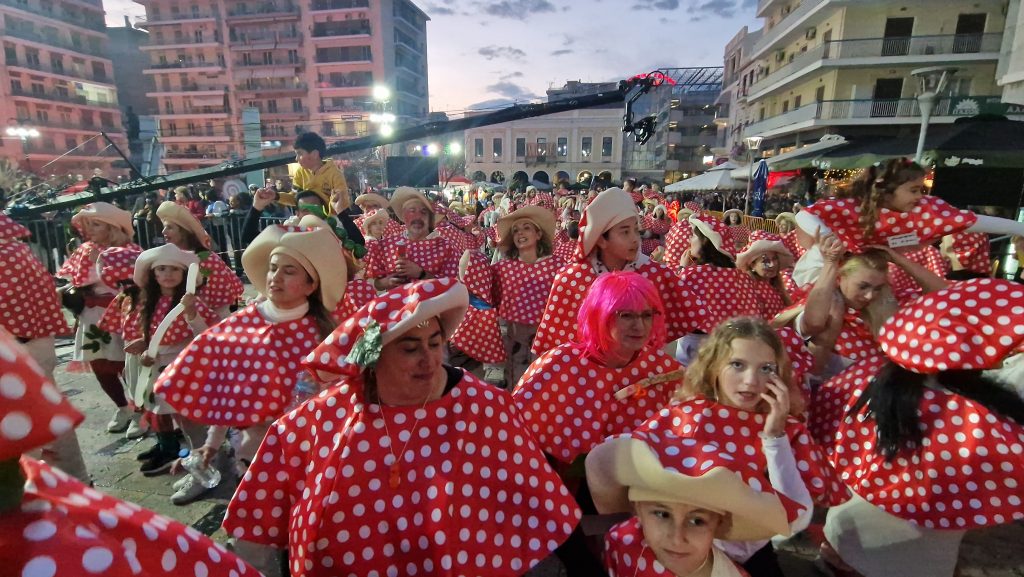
[609, 381]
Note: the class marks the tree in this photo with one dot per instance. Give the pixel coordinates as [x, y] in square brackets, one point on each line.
[450, 165]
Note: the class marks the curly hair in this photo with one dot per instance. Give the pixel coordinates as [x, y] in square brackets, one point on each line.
[875, 184]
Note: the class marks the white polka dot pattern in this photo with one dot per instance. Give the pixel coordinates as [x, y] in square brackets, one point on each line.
[32, 411]
[677, 242]
[64, 528]
[358, 292]
[435, 255]
[626, 553]
[478, 334]
[768, 298]
[523, 288]
[12, 230]
[793, 245]
[179, 331]
[29, 305]
[222, 287]
[903, 286]
[973, 250]
[568, 404]
[118, 264]
[459, 240]
[719, 294]
[474, 494]
[239, 372]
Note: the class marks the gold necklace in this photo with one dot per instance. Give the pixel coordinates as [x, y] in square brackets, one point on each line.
[394, 470]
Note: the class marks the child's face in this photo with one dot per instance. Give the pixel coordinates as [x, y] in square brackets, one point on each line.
[168, 276]
[376, 230]
[680, 535]
[743, 376]
[308, 159]
[907, 195]
[622, 241]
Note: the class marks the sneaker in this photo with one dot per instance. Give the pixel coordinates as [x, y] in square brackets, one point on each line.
[148, 453]
[158, 464]
[188, 492]
[136, 429]
[120, 421]
[181, 482]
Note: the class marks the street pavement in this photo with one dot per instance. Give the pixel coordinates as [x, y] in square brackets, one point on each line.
[996, 552]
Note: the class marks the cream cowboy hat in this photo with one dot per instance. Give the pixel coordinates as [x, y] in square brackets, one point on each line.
[608, 209]
[538, 216]
[371, 197]
[760, 243]
[404, 194]
[178, 215]
[317, 250]
[104, 212]
[716, 230]
[167, 254]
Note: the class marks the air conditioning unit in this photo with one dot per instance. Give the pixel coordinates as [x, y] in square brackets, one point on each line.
[811, 33]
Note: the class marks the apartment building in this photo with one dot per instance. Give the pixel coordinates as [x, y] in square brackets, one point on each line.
[844, 66]
[57, 88]
[733, 114]
[303, 64]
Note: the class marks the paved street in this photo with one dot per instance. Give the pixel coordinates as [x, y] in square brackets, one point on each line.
[111, 460]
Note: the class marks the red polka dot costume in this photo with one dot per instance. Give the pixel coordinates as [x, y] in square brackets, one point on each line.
[832, 400]
[29, 305]
[718, 294]
[973, 250]
[568, 404]
[903, 286]
[627, 554]
[740, 235]
[11, 229]
[239, 372]
[77, 268]
[478, 334]
[792, 244]
[565, 251]
[930, 220]
[459, 239]
[523, 288]
[677, 242]
[657, 226]
[358, 292]
[222, 288]
[178, 334]
[558, 322]
[769, 299]
[475, 495]
[117, 264]
[855, 340]
[433, 254]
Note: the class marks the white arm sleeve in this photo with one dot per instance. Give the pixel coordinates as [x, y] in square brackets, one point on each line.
[996, 225]
[810, 223]
[785, 478]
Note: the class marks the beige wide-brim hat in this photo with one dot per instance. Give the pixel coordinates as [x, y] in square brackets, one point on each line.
[608, 209]
[378, 216]
[786, 216]
[104, 212]
[167, 254]
[373, 198]
[318, 250]
[623, 470]
[178, 215]
[404, 194]
[725, 215]
[756, 248]
[715, 230]
[538, 216]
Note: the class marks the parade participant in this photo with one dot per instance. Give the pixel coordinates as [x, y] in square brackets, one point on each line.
[683, 497]
[609, 241]
[370, 203]
[459, 230]
[904, 287]
[564, 251]
[969, 255]
[374, 225]
[733, 218]
[786, 222]
[318, 174]
[743, 389]
[30, 311]
[677, 241]
[221, 288]
[104, 226]
[927, 436]
[51, 524]
[478, 336]
[417, 254]
[449, 491]
[767, 260]
[217, 382]
[655, 226]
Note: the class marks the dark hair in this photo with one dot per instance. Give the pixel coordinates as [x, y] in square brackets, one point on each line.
[893, 396]
[573, 230]
[311, 141]
[877, 182]
[309, 194]
[321, 316]
[709, 253]
[150, 295]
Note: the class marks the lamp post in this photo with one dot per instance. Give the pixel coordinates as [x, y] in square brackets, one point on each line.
[384, 121]
[931, 82]
[753, 145]
[23, 133]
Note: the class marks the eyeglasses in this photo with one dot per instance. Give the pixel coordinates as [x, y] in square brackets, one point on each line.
[633, 316]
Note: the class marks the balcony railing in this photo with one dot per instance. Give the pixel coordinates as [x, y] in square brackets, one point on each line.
[72, 98]
[354, 109]
[274, 62]
[52, 40]
[833, 110]
[254, 85]
[837, 50]
[338, 4]
[35, 148]
[59, 124]
[173, 18]
[196, 110]
[783, 25]
[185, 64]
[193, 154]
[243, 39]
[341, 31]
[197, 132]
[191, 87]
[267, 9]
[89, 21]
[73, 71]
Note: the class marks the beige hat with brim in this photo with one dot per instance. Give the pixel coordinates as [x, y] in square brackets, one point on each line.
[377, 216]
[104, 212]
[538, 216]
[715, 236]
[725, 215]
[372, 197]
[608, 209]
[178, 215]
[404, 194]
[318, 250]
[167, 254]
[759, 247]
[623, 470]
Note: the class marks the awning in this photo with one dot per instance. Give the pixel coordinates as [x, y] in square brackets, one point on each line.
[794, 159]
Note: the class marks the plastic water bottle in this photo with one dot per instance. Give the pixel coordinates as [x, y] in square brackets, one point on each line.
[208, 477]
[304, 389]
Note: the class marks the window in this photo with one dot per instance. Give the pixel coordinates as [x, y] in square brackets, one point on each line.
[563, 146]
[496, 148]
[271, 106]
[42, 116]
[606, 146]
[32, 57]
[796, 101]
[198, 36]
[296, 105]
[785, 106]
[478, 147]
[520, 147]
[587, 146]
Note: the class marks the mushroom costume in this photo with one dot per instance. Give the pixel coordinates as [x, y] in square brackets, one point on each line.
[433, 254]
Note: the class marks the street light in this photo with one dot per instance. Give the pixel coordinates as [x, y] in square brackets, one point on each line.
[384, 120]
[753, 145]
[23, 133]
[931, 82]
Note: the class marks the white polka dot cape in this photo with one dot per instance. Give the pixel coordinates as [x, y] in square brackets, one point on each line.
[903, 286]
[11, 229]
[677, 242]
[32, 411]
[792, 244]
[178, 333]
[930, 220]
[223, 287]
[718, 294]
[973, 250]
[626, 554]
[117, 264]
[705, 421]
[77, 268]
[434, 255]
[768, 298]
[967, 473]
[478, 334]
[239, 372]
[558, 322]
[459, 240]
[473, 493]
[65, 528]
[832, 399]
[358, 292]
[523, 288]
[29, 305]
[567, 400]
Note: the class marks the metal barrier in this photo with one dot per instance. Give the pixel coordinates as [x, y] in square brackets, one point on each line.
[752, 222]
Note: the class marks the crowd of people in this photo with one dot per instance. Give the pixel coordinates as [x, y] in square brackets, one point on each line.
[631, 384]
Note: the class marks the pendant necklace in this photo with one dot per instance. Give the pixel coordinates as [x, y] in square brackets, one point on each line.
[394, 471]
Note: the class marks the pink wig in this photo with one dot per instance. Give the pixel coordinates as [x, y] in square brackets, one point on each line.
[611, 293]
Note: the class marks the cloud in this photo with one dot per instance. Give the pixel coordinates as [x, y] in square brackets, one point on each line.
[493, 103]
[561, 52]
[515, 9]
[509, 52]
[515, 74]
[445, 8]
[656, 5]
[511, 90]
[701, 9]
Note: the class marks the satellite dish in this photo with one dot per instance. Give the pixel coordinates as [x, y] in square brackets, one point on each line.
[232, 187]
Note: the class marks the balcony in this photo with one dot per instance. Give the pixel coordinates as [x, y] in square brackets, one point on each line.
[341, 29]
[40, 151]
[194, 66]
[354, 109]
[322, 5]
[72, 72]
[92, 22]
[538, 154]
[852, 112]
[201, 113]
[789, 24]
[273, 63]
[862, 52]
[113, 131]
[268, 11]
[268, 86]
[192, 89]
[196, 135]
[57, 97]
[264, 41]
[196, 157]
[191, 17]
[178, 44]
[51, 41]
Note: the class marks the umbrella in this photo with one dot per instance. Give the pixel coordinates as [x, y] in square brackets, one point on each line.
[981, 141]
[714, 179]
[760, 187]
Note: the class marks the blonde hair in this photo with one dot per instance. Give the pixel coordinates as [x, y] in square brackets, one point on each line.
[702, 376]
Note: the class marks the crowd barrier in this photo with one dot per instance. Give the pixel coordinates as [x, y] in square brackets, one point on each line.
[752, 222]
